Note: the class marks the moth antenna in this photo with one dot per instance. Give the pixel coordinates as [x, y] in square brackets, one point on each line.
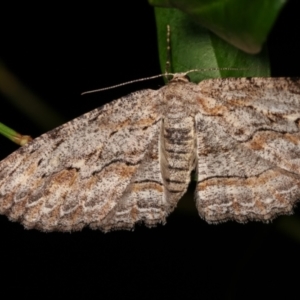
[168, 54]
[124, 83]
[161, 75]
[167, 69]
[216, 69]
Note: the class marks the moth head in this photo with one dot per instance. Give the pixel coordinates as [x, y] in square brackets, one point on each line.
[180, 77]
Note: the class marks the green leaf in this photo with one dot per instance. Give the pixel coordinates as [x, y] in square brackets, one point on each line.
[242, 23]
[194, 47]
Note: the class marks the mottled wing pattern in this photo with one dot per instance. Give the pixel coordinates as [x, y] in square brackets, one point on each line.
[131, 159]
[248, 148]
[101, 169]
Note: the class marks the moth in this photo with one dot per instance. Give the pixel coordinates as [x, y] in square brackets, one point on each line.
[130, 160]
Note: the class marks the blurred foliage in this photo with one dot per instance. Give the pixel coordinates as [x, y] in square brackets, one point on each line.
[242, 23]
[26, 101]
[194, 47]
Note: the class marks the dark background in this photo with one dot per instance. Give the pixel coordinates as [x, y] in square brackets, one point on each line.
[59, 52]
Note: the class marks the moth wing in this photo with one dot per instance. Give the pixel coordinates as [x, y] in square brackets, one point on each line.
[101, 169]
[248, 148]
